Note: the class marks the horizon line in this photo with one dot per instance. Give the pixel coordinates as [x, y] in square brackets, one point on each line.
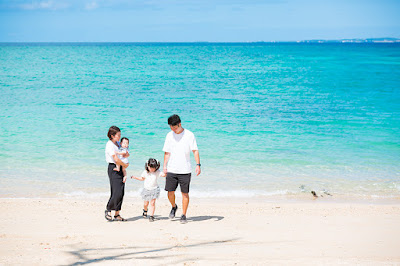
[344, 40]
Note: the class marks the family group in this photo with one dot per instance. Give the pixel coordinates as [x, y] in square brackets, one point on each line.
[178, 145]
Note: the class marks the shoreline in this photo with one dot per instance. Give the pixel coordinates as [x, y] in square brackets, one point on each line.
[300, 198]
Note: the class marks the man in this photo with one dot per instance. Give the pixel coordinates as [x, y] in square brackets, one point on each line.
[178, 144]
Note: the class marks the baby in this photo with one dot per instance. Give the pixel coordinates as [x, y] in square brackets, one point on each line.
[123, 149]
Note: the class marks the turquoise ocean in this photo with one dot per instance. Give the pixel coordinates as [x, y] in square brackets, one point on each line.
[270, 119]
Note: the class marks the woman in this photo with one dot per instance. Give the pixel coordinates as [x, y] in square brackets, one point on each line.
[117, 181]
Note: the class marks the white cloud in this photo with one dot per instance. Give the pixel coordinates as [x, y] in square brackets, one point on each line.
[91, 5]
[123, 4]
[45, 5]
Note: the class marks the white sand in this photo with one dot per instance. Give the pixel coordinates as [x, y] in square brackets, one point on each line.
[228, 232]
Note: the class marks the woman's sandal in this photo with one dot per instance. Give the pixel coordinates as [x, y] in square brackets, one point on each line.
[144, 214]
[119, 218]
[107, 215]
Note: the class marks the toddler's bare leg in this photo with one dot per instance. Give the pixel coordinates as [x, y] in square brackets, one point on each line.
[146, 205]
[153, 206]
[117, 168]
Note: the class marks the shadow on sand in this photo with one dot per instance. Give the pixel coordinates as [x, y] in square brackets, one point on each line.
[199, 218]
[190, 219]
[129, 253]
[132, 219]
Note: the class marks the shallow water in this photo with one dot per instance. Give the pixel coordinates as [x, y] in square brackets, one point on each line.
[270, 119]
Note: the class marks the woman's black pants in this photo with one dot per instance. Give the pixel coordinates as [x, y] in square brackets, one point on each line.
[117, 188]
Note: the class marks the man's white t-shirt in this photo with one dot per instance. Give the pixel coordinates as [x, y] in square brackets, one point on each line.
[180, 146]
[150, 179]
[111, 150]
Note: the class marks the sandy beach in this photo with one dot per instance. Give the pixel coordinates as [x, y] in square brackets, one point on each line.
[227, 232]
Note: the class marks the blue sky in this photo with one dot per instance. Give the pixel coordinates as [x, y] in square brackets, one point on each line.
[190, 20]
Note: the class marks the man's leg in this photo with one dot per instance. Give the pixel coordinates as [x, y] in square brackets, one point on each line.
[185, 184]
[171, 198]
[171, 183]
[185, 202]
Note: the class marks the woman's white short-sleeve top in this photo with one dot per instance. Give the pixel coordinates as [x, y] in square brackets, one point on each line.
[111, 149]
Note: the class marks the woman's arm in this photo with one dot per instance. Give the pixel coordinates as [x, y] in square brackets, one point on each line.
[118, 161]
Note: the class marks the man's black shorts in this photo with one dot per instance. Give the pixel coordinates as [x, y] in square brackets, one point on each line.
[172, 181]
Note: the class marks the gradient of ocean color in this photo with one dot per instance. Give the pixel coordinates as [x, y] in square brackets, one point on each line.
[269, 119]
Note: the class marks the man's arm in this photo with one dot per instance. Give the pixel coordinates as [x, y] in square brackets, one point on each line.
[166, 159]
[197, 158]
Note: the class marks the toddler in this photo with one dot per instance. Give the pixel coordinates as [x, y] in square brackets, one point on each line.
[151, 190]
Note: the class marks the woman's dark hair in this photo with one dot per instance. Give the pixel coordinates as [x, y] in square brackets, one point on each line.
[113, 131]
[122, 139]
[153, 163]
[174, 120]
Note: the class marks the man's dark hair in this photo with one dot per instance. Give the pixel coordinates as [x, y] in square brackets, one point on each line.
[174, 120]
[113, 131]
[153, 163]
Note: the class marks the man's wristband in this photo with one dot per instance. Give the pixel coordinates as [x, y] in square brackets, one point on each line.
[199, 164]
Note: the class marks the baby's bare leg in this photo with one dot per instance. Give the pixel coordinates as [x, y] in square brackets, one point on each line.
[117, 168]
[124, 171]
